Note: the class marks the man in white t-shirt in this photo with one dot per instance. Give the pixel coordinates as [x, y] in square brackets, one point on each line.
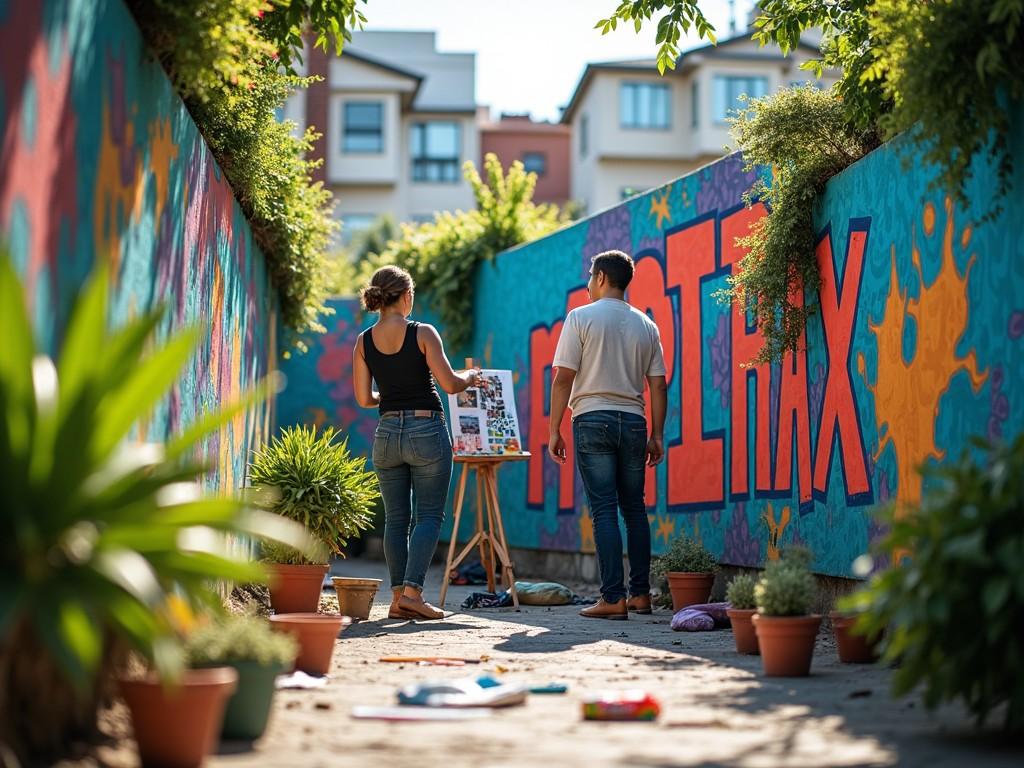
[606, 352]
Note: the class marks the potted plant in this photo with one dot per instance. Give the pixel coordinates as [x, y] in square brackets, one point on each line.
[178, 724]
[315, 481]
[689, 570]
[852, 645]
[100, 536]
[355, 595]
[248, 645]
[786, 630]
[742, 605]
[315, 634]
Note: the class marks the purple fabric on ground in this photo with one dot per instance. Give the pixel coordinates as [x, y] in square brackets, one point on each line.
[701, 618]
[689, 620]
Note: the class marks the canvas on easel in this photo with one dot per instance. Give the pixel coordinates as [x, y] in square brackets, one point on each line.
[484, 421]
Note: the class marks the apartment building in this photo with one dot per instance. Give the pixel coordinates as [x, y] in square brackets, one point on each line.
[542, 147]
[398, 120]
[633, 129]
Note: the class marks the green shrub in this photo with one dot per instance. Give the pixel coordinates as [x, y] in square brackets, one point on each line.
[952, 610]
[786, 588]
[105, 543]
[239, 638]
[803, 135]
[232, 63]
[685, 555]
[443, 256]
[318, 483]
[740, 592]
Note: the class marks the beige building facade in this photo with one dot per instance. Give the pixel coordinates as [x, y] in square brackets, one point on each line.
[633, 129]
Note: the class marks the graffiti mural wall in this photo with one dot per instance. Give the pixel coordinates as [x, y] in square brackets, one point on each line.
[318, 385]
[921, 315]
[101, 160]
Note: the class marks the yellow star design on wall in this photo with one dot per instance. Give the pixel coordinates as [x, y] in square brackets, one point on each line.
[666, 528]
[659, 207]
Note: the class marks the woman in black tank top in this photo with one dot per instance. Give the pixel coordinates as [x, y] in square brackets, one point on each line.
[412, 450]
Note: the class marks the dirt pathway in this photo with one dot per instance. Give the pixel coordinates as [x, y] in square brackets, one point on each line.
[717, 709]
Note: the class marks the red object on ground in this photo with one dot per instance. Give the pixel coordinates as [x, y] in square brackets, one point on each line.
[627, 705]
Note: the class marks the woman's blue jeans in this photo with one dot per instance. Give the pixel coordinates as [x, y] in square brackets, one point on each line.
[611, 447]
[412, 456]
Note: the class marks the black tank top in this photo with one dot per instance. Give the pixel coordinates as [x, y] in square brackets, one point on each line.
[403, 379]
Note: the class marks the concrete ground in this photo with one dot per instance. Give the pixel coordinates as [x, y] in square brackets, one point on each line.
[717, 708]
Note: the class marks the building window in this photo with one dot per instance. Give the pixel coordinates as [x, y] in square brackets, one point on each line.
[352, 224]
[643, 105]
[728, 90]
[535, 162]
[584, 135]
[363, 127]
[695, 104]
[435, 152]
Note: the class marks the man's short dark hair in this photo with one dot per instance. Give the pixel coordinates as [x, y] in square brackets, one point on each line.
[617, 267]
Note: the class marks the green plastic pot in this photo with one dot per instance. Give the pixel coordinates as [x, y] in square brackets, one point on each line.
[248, 709]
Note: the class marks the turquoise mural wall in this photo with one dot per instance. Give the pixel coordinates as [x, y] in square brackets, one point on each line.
[921, 316]
[100, 159]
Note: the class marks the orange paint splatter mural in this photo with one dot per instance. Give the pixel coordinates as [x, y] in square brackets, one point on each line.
[908, 390]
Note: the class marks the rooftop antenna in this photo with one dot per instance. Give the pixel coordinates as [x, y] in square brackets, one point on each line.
[732, 18]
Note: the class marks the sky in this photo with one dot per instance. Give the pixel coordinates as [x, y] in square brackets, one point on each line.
[530, 54]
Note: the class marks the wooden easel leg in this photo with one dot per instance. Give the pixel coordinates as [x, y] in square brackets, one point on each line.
[486, 550]
[449, 564]
[500, 541]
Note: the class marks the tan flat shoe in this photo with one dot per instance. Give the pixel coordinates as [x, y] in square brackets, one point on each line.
[418, 609]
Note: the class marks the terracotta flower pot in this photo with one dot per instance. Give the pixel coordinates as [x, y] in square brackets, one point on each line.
[853, 649]
[743, 630]
[689, 588]
[786, 643]
[178, 726]
[295, 588]
[315, 633]
[355, 596]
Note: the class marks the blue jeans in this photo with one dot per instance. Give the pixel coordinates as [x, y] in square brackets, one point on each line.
[412, 456]
[610, 450]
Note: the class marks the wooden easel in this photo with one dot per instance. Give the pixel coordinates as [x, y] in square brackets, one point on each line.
[489, 535]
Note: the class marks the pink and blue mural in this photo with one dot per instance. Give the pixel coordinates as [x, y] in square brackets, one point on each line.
[921, 314]
[101, 160]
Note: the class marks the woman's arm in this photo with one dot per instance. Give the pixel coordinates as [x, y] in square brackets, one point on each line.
[432, 346]
[361, 379]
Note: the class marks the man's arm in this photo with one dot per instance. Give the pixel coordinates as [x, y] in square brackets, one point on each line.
[561, 388]
[659, 404]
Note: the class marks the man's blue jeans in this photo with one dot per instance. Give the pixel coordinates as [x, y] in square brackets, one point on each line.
[412, 456]
[610, 450]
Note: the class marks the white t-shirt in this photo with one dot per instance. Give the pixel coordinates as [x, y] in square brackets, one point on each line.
[612, 347]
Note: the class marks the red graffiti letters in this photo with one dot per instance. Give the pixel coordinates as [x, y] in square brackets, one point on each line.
[769, 421]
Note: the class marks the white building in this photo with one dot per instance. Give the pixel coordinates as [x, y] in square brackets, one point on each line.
[399, 121]
[633, 129]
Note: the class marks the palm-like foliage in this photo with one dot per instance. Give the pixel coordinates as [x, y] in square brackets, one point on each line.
[100, 538]
[317, 482]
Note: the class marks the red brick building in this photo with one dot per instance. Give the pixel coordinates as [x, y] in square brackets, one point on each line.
[542, 147]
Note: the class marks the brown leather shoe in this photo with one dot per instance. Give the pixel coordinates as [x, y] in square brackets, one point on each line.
[394, 612]
[603, 610]
[418, 609]
[639, 604]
